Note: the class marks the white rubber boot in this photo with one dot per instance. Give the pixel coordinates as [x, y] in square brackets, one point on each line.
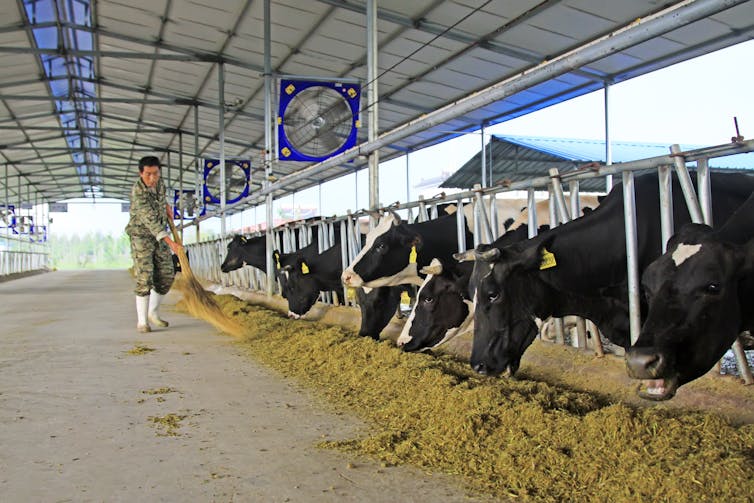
[142, 306]
[155, 299]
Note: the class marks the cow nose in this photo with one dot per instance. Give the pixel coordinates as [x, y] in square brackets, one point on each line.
[480, 368]
[346, 278]
[644, 363]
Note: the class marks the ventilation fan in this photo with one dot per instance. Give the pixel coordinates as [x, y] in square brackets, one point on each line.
[186, 204]
[7, 216]
[237, 175]
[316, 120]
[38, 233]
[24, 224]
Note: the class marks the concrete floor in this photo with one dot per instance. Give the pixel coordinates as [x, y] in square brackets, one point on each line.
[75, 410]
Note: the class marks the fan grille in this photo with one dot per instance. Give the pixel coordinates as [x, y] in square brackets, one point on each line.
[235, 181]
[317, 121]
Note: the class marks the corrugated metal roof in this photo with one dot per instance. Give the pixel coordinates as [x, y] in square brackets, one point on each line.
[515, 158]
[126, 78]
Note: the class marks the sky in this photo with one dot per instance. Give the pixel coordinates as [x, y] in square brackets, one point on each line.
[690, 103]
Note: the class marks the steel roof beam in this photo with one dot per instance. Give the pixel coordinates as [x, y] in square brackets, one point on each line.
[627, 36]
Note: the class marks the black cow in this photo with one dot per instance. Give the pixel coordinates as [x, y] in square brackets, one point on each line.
[443, 308]
[245, 251]
[578, 268]
[253, 251]
[395, 251]
[699, 296]
[303, 278]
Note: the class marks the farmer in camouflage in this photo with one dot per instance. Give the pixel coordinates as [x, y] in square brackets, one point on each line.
[150, 243]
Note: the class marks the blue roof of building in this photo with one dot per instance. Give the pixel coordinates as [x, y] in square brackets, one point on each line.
[517, 158]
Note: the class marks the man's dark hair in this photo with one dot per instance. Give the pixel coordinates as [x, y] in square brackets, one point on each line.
[148, 160]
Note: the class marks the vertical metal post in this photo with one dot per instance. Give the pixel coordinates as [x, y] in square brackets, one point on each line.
[197, 176]
[221, 141]
[408, 181]
[666, 204]
[557, 191]
[484, 158]
[494, 220]
[180, 179]
[573, 191]
[460, 227]
[705, 190]
[372, 97]
[608, 146]
[629, 211]
[268, 139]
[531, 205]
[686, 186]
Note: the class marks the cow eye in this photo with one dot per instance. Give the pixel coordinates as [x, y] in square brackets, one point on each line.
[713, 288]
[380, 247]
[429, 300]
[493, 296]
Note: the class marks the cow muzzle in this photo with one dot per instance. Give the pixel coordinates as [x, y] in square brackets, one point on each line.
[651, 366]
[351, 279]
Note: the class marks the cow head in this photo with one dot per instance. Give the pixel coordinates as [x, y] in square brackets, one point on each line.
[377, 305]
[297, 283]
[388, 257]
[234, 257]
[441, 311]
[694, 312]
[504, 316]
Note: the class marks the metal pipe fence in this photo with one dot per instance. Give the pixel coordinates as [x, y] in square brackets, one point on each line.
[485, 216]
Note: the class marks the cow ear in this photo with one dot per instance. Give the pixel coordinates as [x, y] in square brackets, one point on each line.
[538, 257]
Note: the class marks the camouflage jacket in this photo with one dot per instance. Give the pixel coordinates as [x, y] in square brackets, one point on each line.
[148, 212]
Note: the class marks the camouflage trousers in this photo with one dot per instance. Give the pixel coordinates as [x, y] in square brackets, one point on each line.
[153, 265]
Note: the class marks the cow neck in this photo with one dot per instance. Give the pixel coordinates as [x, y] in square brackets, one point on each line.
[740, 226]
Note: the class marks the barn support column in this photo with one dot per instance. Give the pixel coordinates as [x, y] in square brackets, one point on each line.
[197, 186]
[483, 153]
[372, 109]
[221, 141]
[608, 146]
[268, 142]
[180, 180]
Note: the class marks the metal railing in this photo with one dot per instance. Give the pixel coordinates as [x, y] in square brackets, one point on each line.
[485, 219]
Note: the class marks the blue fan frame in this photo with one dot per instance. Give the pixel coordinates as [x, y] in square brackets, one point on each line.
[200, 210]
[209, 164]
[12, 224]
[286, 151]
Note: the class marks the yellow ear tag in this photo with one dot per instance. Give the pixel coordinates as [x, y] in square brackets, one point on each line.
[405, 299]
[304, 268]
[412, 255]
[277, 260]
[548, 260]
[350, 293]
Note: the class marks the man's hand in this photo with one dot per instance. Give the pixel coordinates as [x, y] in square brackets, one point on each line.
[173, 245]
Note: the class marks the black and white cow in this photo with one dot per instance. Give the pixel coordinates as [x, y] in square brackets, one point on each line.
[303, 278]
[395, 251]
[699, 296]
[442, 310]
[578, 268]
[443, 306]
[245, 251]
